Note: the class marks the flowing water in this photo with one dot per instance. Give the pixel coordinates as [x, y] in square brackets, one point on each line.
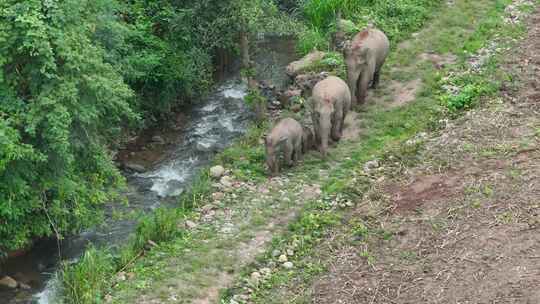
[214, 124]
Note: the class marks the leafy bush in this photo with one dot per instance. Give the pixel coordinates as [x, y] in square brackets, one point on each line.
[61, 105]
[395, 17]
[312, 38]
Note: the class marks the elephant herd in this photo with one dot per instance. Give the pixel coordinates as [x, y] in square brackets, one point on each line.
[331, 100]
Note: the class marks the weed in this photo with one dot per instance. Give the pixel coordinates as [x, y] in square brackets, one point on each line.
[88, 279]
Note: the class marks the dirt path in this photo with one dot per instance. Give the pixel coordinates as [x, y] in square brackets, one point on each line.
[465, 223]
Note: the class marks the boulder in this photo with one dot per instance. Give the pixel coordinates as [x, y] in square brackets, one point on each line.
[8, 282]
[226, 181]
[135, 167]
[306, 82]
[24, 286]
[158, 140]
[217, 171]
[286, 97]
[301, 65]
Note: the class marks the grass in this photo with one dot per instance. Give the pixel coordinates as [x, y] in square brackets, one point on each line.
[461, 29]
[397, 19]
[471, 24]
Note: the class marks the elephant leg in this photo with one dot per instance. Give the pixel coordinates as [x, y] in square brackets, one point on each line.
[298, 151]
[353, 79]
[376, 78]
[337, 125]
[288, 150]
[316, 131]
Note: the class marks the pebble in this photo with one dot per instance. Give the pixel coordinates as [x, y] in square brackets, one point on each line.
[226, 181]
[288, 265]
[190, 224]
[282, 258]
[217, 171]
[255, 277]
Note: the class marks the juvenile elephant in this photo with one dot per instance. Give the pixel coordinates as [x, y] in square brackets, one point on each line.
[364, 57]
[331, 100]
[285, 137]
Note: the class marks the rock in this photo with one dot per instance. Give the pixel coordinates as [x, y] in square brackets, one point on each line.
[306, 82]
[297, 67]
[206, 208]
[276, 253]
[290, 252]
[266, 271]
[218, 196]
[190, 225]
[158, 140]
[282, 258]
[372, 164]
[24, 286]
[288, 265]
[226, 181]
[286, 97]
[8, 282]
[135, 167]
[217, 171]
[255, 277]
[121, 276]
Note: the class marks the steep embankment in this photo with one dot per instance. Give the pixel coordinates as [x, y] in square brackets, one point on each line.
[422, 201]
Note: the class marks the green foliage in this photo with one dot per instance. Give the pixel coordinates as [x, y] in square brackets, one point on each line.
[157, 227]
[312, 38]
[396, 18]
[61, 105]
[88, 279]
[247, 155]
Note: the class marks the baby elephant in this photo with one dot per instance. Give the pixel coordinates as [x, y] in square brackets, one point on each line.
[287, 136]
[364, 57]
[331, 100]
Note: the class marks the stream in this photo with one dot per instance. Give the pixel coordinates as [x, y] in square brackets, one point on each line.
[213, 125]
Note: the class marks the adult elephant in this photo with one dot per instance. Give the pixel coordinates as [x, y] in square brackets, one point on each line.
[331, 100]
[364, 56]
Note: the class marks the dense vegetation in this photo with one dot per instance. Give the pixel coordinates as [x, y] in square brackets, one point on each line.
[77, 75]
[90, 279]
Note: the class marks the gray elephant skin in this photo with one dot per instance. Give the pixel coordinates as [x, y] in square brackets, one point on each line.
[308, 140]
[364, 58]
[286, 137]
[331, 101]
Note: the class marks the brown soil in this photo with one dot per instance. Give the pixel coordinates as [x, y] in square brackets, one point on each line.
[439, 61]
[465, 222]
[352, 127]
[404, 92]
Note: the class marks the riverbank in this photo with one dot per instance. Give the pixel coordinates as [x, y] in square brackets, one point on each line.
[203, 252]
